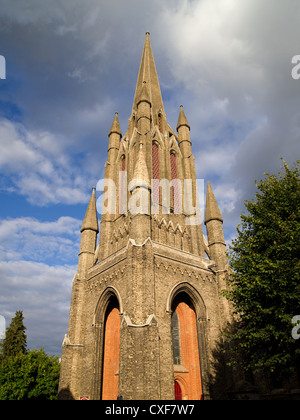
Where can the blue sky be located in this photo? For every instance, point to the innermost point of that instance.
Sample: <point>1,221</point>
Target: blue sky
<point>71,64</point>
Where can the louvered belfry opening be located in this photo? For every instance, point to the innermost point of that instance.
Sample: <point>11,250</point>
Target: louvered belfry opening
<point>123,187</point>
<point>175,187</point>
<point>156,174</point>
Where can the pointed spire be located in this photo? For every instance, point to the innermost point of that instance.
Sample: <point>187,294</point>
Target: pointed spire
<point>182,120</point>
<point>140,174</point>
<point>212,211</point>
<point>143,95</point>
<point>115,128</point>
<point>148,74</point>
<point>90,221</point>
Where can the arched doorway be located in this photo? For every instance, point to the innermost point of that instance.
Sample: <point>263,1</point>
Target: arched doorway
<point>111,349</point>
<point>186,355</point>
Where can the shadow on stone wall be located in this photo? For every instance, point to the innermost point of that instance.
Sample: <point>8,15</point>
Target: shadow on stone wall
<point>65,394</point>
<point>231,382</point>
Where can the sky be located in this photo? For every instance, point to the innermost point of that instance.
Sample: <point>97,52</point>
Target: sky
<point>71,64</point>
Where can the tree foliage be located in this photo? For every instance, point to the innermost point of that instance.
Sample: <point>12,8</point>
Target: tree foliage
<point>26,374</point>
<point>34,375</point>
<point>15,340</point>
<point>265,284</point>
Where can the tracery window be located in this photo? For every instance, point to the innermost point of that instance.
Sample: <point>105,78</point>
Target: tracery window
<point>186,356</point>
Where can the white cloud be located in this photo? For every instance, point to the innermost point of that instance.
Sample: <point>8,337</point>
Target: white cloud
<point>37,263</point>
<point>43,292</point>
<point>212,158</point>
<point>37,167</point>
<point>234,59</point>
<point>30,239</point>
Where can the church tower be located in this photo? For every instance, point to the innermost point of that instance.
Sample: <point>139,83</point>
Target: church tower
<point>146,312</point>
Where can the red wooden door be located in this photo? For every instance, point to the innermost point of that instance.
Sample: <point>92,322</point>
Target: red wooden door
<point>178,392</point>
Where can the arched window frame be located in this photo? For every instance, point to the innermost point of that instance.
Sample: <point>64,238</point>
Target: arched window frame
<point>111,351</point>
<point>202,328</point>
<point>99,331</point>
<point>156,175</point>
<point>122,186</point>
<point>160,121</point>
<point>176,193</point>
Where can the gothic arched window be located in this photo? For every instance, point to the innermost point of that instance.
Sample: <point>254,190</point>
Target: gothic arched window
<point>155,171</point>
<point>160,122</point>
<point>185,346</point>
<point>123,187</point>
<point>175,183</point>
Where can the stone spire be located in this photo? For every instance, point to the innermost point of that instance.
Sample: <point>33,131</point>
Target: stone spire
<point>90,221</point>
<point>184,140</point>
<point>212,211</point>
<point>143,94</point>
<point>139,203</point>
<point>182,120</point>
<point>148,74</point>
<point>89,231</point>
<point>114,136</point>
<point>215,233</point>
<point>140,174</point>
<point>115,128</point>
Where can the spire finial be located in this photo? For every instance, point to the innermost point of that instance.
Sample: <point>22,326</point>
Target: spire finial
<point>115,128</point>
<point>182,120</point>
<point>148,74</point>
<point>140,175</point>
<point>90,221</point>
<point>212,211</point>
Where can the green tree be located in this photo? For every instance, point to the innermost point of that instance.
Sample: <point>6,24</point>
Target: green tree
<point>31,376</point>
<point>15,340</point>
<point>265,286</point>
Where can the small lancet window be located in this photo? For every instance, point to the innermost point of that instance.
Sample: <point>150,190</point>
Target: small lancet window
<point>123,188</point>
<point>160,122</point>
<point>123,163</point>
<point>155,170</point>
<point>174,178</point>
